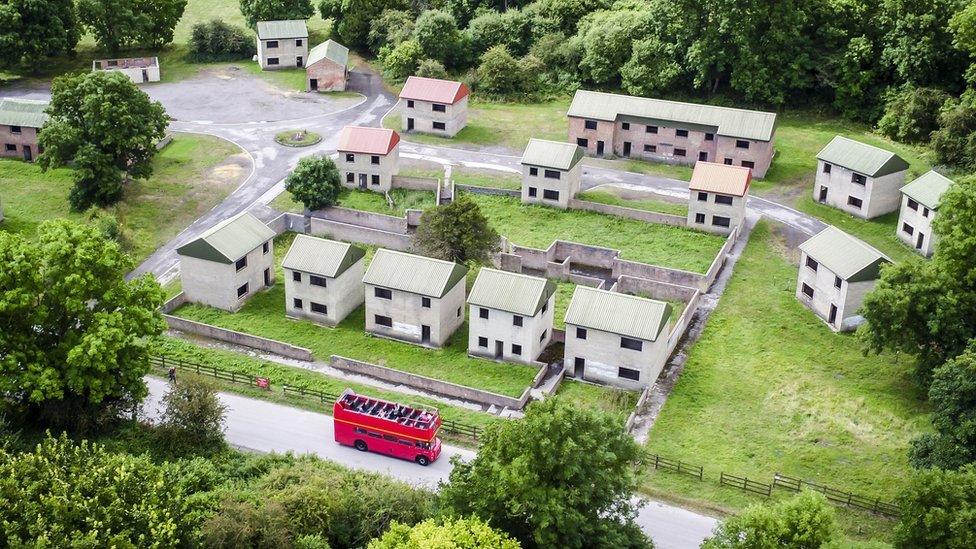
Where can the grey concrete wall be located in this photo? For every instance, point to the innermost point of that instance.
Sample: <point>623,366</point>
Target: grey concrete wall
<point>847,298</point>
<point>408,316</point>
<point>215,284</point>
<point>364,235</point>
<point>709,208</point>
<point>920,221</point>
<point>362,164</point>
<point>584,254</point>
<point>238,338</point>
<point>654,289</point>
<point>604,356</point>
<point>630,213</point>
<point>491,191</point>
<point>454,117</point>
<point>568,185</point>
<point>681,324</point>
<point>413,217</point>
<point>361,218</point>
<point>415,183</point>
<point>287,53</point>
<point>878,195</point>
<point>499,329</point>
<point>622,267</point>
<point>287,222</point>
<point>340,295</point>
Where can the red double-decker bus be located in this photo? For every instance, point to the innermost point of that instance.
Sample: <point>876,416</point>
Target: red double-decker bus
<point>371,424</point>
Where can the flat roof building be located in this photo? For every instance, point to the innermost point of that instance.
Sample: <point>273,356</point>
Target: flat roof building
<point>511,316</point>
<point>435,106</point>
<point>323,279</point>
<point>860,179</point>
<point>139,69</point>
<point>551,172</point>
<point>368,158</point>
<point>919,202</point>
<point>717,197</point>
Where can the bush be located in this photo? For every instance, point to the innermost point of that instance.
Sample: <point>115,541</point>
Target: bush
<point>193,415</point>
<point>217,41</point>
<point>438,36</point>
<point>805,521</point>
<point>511,29</point>
<point>402,60</point>
<point>456,232</point>
<point>315,182</point>
<point>430,68</point>
<point>938,510</point>
<point>502,74</point>
<point>390,29</point>
<point>460,533</point>
<point>912,114</point>
<point>955,140</point>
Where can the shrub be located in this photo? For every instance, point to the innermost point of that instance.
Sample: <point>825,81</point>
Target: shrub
<point>938,509</point>
<point>438,36</point>
<point>429,68</point>
<point>192,414</point>
<point>462,533</point>
<point>805,521</point>
<point>315,182</point>
<point>500,73</point>
<point>456,232</point>
<point>402,60</point>
<point>390,29</point>
<point>955,140</point>
<point>912,114</point>
<point>511,29</point>
<point>215,40</point>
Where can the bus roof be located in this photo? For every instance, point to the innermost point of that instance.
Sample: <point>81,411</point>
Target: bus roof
<point>408,420</point>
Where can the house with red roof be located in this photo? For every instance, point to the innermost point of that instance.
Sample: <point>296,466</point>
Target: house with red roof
<point>718,194</point>
<point>431,105</point>
<point>368,157</point>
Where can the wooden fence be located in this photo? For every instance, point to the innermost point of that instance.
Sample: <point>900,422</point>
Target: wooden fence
<point>696,471</point>
<point>744,483</point>
<point>838,496</point>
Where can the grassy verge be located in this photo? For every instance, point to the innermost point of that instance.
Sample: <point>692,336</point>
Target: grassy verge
<point>878,232</point>
<point>647,204</point>
<point>615,402</point>
<point>367,201</point>
<point>539,226</point>
<point>564,294</point>
<point>495,179</point>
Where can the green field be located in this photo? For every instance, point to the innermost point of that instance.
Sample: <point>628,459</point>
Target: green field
<point>479,178</point>
<point>648,204</point>
<point>188,179</point>
<point>538,226</point>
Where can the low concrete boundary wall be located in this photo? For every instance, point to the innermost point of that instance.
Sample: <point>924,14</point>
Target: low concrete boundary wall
<point>622,267</point>
<point>491,191</point>
<point>712,273</point>
<point>287,221</point>
<point>369,220</point>
<point>414,183</point>
<point>238,338</point>
<point>682,323</point>
<point>630,213</point>
<point>362,235</point>
<point>654,288</point>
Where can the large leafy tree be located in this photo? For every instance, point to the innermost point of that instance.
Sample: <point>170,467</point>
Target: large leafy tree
<point>31,30</point>
<point>938,510</point>
<point>462,533</point>
<point>352,18</point>
<point>953,396</point>
<point>73,331</point>
<point>917,41</point>
<point>438,36</point>
<point>106,128</point>
<point>456,232</point>
<point>161,17</point>
<point>315,182</point>
<point>118,24</point>
<point>560,477</point>
<point>805,521</point>
<point>275,10</point>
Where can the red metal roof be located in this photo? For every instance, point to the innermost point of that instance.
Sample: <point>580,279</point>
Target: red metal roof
<point>364,140</point>
<point>720,178</point>
<point>434,90</point>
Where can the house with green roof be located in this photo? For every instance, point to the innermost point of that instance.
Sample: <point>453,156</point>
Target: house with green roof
<point>326,67</point>
<point>20,122</point>
<point>919,203</point>
<point>282,44</point>
<point>551,172</point>
<point>228,263</point>
<point>860,179</point>
<point>323,279</point>
<point>510,316</point>
<point>836,272</point>
<point>414,298</point>
<point>615,338</point>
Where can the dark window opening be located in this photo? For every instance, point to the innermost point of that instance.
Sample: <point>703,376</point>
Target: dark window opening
<point>296,276</point>
<point>550,194</point>
<point>723,199</point>
<point>241,263</point>
<point>628,373</point>
<point>651,129</point>
<point>533,191</point>
<point>700,218</point>
<point>807,291</point>
<point>437,107</point>
<point>632,344</point>
<point>384,321</point>
<point>580,333</point>
<point>383,293</point>
<point>318,308</point>
<point>425,302</point>
<point>721,221</point>
<point>590,124</point>
<point>439,126</point>
<point>483,313</point>
<point>317,281</point>
<point>680,152</point>
<point>681,133</point>
<point>812,264</point>
<point>856,202</point>
<point>516,320</point>
<point>533,171</point>
<point>297,303</point>
<point>741,144</point>
<point>859,179</point>
<point>516,349</point>
<point>242,291</point>
<point>551,174</point>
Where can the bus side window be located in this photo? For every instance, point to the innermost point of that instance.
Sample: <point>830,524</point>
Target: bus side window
<point>389,437</point>
<point>374,435</point>
<point>406,443</point>
<point>359,430</point>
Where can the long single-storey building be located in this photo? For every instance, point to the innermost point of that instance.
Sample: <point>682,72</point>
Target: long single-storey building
<point>20,122</point>
<point>551,172</point>
<point>282,44</point>
<point>668,131</point>
<point>920,200</point>
<point>228,263</point>
<point>718,194</point>
<point>323,279</point>
<point>139,69</point>
<point>615,338</point>
<point>414,298</point>
<point>326,68</point>
<point>836,272</point>
<point>368,157</point>
<point>435,106</point>
<point>511,316</point>
<point>860,179</point>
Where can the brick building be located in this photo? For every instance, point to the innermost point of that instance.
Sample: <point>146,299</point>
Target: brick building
<point>326,70</point>
<point>20,121</point>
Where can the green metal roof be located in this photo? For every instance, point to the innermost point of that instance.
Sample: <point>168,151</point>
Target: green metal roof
<point>861,157</point>
<point>292,28</point>
<point>413,273</point>
<point>331,50</point>
<point>844,255</point>
<point>513,292</point>
<point>552,154</point>
<point>322,257</point>
<point>618,313</point>
<point>28,113</point>
<point>741,123</point>
<point>229,240</point>
<point>927,190</point>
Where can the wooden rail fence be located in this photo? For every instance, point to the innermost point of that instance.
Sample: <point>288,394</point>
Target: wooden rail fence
<point>838,496</point>
<point>696,471</point>
<point>746,484</point>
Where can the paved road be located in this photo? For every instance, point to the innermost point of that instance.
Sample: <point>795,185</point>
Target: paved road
<point>267,427</point>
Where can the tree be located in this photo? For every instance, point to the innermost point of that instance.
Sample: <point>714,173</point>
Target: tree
<point>953,396</point>
<point>315,182</point>
<point>218,41</point>
<point>912,114</point>
<point>512,28</point>
<point>275,10</point>
<point>31,30</point>
<point>161,19</point>
<point>116,24</point>
<point>503,75</point>
<point>352,18</point>
<point>606,39</point>
<point>462,533</point>
<point>106,128</point>
<point>917,42</point>
<point>805,521</point>
<point>955,140</point>
<point>428,68</point>
<point>560,477</point>
<point>74,331</point>
<point>438,36</point>
<point>651,69</point>
<point>456,232</point>
<point>193,415</point>
<point>401,60</point>
<point>391,28</point>
<point>938,510</point>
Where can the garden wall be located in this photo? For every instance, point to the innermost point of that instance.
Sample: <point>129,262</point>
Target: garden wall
<point>363,235</point>
<point>369,220</point>
<point>287,222</point>
<point>630,213</point>
<point>415,183</point>
<point>682,323</point>
<point>654,288</point>
<point>489,190</point>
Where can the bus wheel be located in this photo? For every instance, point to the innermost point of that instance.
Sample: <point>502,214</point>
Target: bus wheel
<point>361,446</point>
<point>423,460</point>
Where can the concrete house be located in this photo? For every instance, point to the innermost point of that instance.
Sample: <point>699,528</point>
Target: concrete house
<point>718,194</point>
<point>139,69</point>
<point>326,68</point>
<point>919,202</point>
<point>431,105</point>
<point>551,172</point>
<point>607,124</point>
<point>282,44</point>
<point>836,272</point>
<point>228,263</point>
<point>511,316</point>
<point>414,298</point>
<point>858,178</point>
<point>368,157</point>
<point>20,121</point>
<point>615,338</point>
<point>323,279</point>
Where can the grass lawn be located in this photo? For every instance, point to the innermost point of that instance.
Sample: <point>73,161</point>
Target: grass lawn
<point>189,177</point>
<point>538,226</point>
<point>607,196</point>
<point>769,388</point>
<point>564,294</point>
<point>264,316</point>
<point>878,232</point>
<point>368,201</point>
<point>616,402</point>
<point>480,178</point>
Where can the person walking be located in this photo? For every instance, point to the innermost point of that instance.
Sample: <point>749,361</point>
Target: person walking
<point>172,375</point>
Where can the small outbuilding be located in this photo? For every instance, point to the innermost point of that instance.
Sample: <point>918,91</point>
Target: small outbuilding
<point>20,122</point>
<point>718,194</point>
<point>414,298</point>
<point>368,157</point>
<point>139,69</point>
<point>616,339</point>
<point>860,179</point>
<point>228,263</point>
<point>551,172</point>
<point>326,70</point>
<point>435,106</point>
<point>511,316</point>
<point>323,279</point>
<point>282,44</point>
<point>836,272</point>
<point>919,202</point>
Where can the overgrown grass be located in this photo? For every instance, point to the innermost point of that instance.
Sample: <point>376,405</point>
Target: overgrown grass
<point>564,294</point>
<point>478,178</point>
<point>607,196</point>
<point>538,226</point>
<point>403,200</point>
<point>615,402</point>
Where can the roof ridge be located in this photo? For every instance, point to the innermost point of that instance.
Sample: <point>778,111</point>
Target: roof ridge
<point>671,101</point>
<point>511,273</point>
<point>621,294</point>
<point>844,137</point>
<point>398,252</point>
